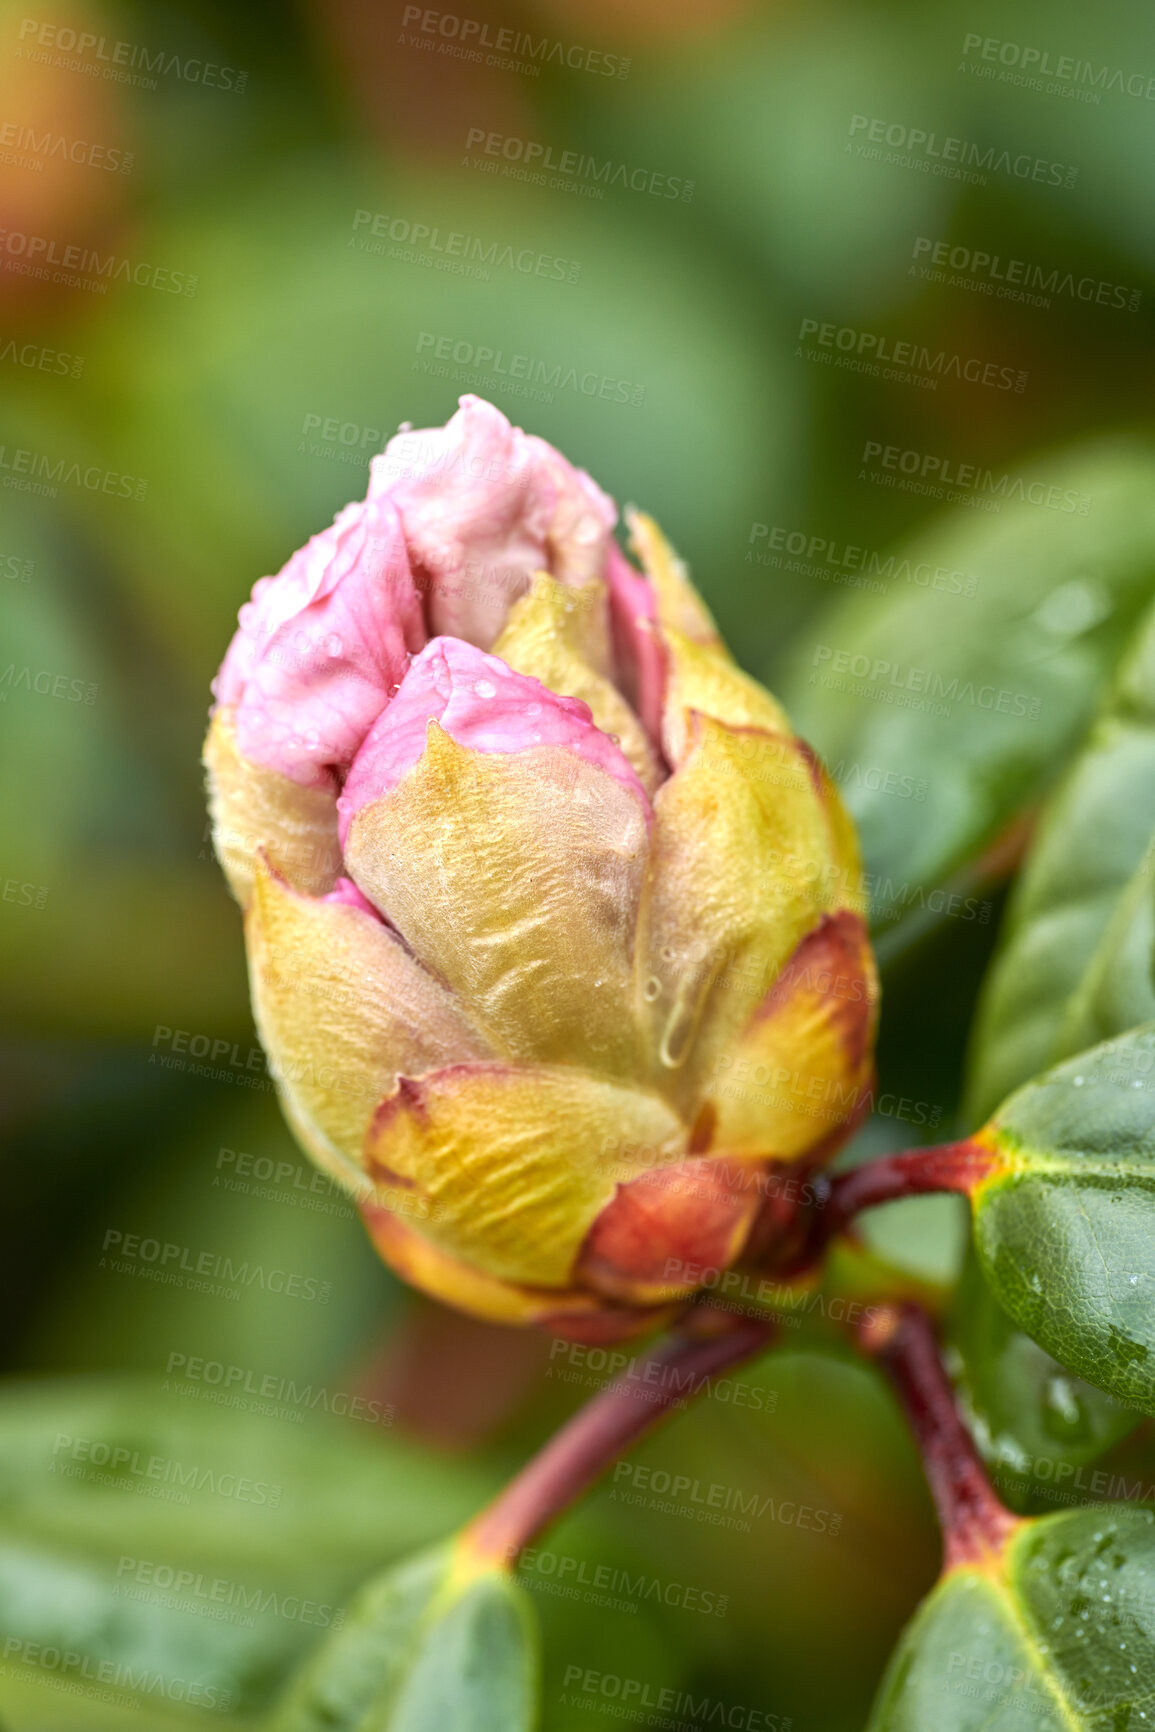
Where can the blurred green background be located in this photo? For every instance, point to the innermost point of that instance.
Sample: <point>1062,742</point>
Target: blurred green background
<point>243,358</point>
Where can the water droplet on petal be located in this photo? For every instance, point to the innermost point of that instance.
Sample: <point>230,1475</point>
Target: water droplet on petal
<point>485,688</point>
<point>652,989</point>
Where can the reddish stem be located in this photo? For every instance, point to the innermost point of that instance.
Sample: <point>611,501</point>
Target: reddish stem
<point>602,1430</point>
<point>975,1524</point>
<point>946,1167</point>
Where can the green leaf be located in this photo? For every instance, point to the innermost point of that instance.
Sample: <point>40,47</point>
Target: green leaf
<point>1074,965</point>
<point>1034,1420</point>
<point>1059,1636</point>
<point>159,1537</point>
<point>424,1650</point>
<point>1065,1222</point>
<point>1057,594</point>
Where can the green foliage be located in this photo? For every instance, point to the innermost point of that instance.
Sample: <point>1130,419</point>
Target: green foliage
<point>422,1652</point>
<point>186,1552</point>
<point>978,698</point>
<point>1066,1229</point>
<point>1076,952</point>
<point>1061,1638</point>
<point>1033,1418</point>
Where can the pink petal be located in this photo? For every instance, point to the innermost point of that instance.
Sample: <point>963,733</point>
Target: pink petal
<point>481,703</point>
<point>346,895</point>
<point>323,645</point>
<point>484,507</point>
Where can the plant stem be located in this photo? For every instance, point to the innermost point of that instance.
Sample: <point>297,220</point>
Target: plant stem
<point>945,1167</point>
<point>602,1430</point>
<point>975,1524</point>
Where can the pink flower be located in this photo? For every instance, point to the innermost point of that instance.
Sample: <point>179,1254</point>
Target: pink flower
<point>484,507</point>
<point>539,889</point>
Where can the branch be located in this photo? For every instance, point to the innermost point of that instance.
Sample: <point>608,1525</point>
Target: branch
<point>601,1431</point>
<point>945,1167</point>
<point>975,1524</point>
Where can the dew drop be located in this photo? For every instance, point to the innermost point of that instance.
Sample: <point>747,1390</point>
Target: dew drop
<point>652,989</point>
<point>485,688</point>
<point>1079,1081</point>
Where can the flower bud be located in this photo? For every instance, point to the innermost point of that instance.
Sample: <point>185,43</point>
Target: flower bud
<point>555,930</point>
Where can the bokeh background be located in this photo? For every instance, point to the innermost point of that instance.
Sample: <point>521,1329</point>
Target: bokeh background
<point>197,408</point>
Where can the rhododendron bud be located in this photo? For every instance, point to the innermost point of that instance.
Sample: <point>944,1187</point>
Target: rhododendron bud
<point>554,928</point>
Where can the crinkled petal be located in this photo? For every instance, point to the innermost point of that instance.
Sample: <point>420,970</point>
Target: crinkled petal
<point>322,647</point>
<point>745,859</point>
<point>801,1070</point>
<point>484,507</point>
<point>516,877</point>
<point>507,1160</point>
<point>482,703</point>
<point>253,808</point>
<point>558,634</point>
<point>343,1009</point>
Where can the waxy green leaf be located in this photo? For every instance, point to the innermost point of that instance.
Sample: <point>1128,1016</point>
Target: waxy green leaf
<point>1036,1423</point>
<point>1057,1636</point>
<point>424,1650</point>
<point>1075,959</point>
<point>1065,1222</point>
<point>972,697</point>
<point>187,1556</point>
